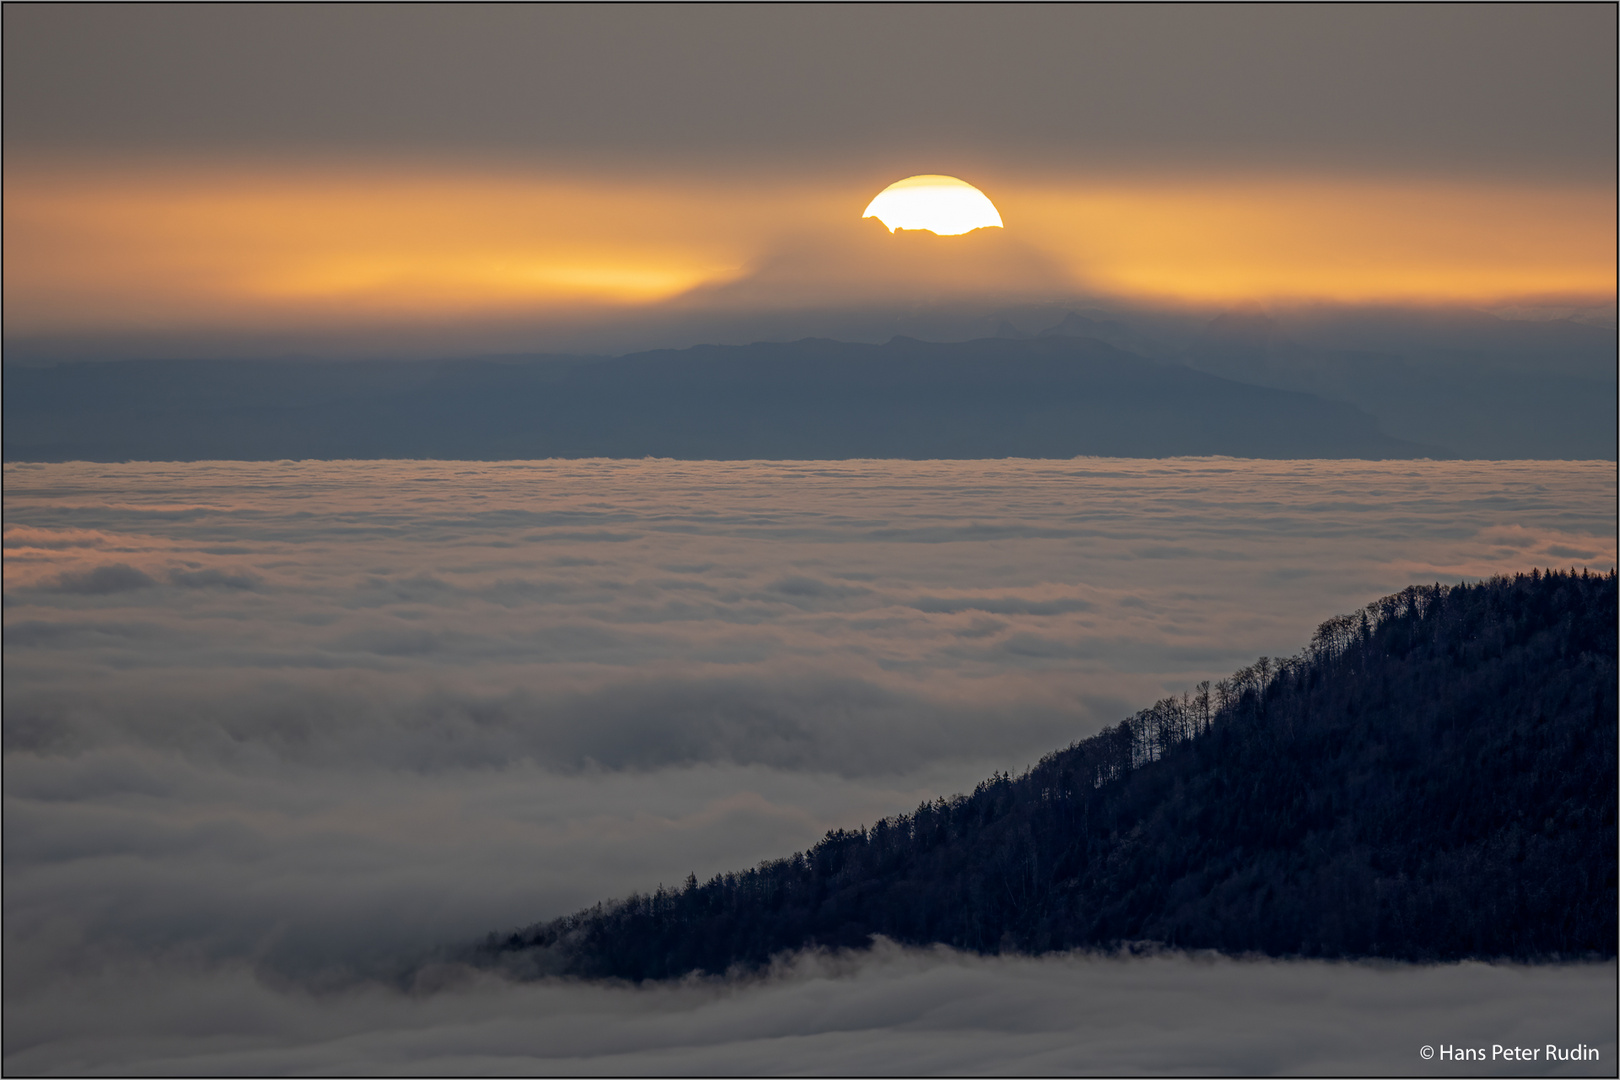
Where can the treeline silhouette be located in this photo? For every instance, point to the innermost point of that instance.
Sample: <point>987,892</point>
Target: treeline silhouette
<point>1432,778</point>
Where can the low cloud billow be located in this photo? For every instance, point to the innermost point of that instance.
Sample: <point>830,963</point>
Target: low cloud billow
<point>889,1011</point>
<point>277,732</point>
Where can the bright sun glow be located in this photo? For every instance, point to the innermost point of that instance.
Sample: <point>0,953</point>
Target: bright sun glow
<point>940,204</point>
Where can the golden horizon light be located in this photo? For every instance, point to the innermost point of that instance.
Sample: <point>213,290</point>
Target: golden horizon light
<point>171,247</point>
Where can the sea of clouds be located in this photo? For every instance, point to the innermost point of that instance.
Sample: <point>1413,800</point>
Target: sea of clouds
<point>274,732</point>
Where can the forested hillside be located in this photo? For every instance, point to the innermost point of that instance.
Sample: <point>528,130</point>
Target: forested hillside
<point>1433,777</point>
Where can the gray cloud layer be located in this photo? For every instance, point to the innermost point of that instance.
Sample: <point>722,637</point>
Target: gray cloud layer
<point>1506,89</point>
<point>300,722</point>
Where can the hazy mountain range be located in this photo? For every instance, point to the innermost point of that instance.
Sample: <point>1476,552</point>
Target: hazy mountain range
<point>1121,384</point>
<point>1480,387</point>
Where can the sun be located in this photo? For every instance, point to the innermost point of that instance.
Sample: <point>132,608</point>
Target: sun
<point>940,204</point>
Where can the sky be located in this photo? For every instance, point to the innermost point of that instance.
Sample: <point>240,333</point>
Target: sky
<point>357,179</point>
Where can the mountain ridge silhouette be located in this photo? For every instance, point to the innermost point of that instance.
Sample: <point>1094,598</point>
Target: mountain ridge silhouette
<point>1050,397</point>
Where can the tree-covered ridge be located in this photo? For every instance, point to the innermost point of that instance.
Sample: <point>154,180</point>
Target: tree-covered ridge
<point>1433,777</point>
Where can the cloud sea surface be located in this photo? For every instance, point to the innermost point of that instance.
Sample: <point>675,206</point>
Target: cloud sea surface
<point>274,731</point>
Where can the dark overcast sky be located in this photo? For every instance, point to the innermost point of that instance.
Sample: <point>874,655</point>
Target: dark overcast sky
<point>1447,88</point>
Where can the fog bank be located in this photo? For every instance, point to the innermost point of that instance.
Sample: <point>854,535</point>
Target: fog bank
<point>892,1011</point>
<point>278,727</point>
